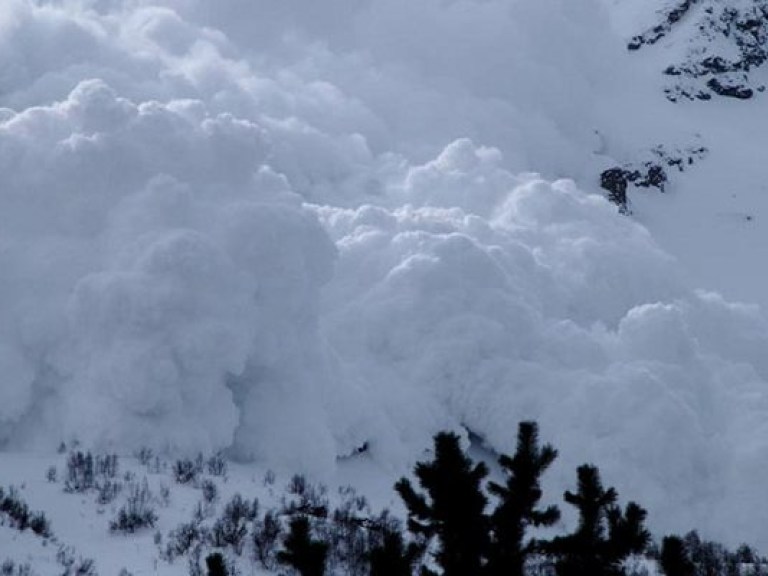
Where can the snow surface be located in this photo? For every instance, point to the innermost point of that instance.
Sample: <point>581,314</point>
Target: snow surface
<point>290,229</point>
<point>80,524</point>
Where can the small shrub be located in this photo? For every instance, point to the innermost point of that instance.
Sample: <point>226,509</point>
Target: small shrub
<point>83,567</point>
<point>183,539</point>
<point>266,535</point>
<point>80,472</point>
<point>108,491</point>
<point>19,515</point>
<point>186,471</point>
<point>232,528</point>
<point>137,513</point>
<point>216,565</point>
<point>106,466</point>
<point>310,499</point>
<point>193,562</point>
<point>79,566</point>
<point>145,456</point>
<point>51,474</point>
<point>210,491</point>
<point>297,485</point>
<point>39,524</point>
<point>11,568</point>
<point>165,495</point>
<point>217,465</point>
<point>347,534</point>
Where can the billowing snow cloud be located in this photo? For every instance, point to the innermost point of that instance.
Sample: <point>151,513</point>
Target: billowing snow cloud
<point>148,255</point>
<point>289,232</point>
<point>548,306</point>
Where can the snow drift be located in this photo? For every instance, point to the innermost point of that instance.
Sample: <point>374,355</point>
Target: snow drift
<point>290,232</point>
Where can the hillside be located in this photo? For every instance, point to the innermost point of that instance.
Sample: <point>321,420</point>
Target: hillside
<point>299,232</point>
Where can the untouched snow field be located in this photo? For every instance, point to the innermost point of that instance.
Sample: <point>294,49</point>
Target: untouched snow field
<point>291,230</point>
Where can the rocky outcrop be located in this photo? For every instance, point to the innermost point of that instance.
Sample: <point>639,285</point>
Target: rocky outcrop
<point>729,43</point>
<point>669,18</point>
<point>652,173</point>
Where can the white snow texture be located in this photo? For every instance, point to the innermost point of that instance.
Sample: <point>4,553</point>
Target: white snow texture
<point>290,228</point>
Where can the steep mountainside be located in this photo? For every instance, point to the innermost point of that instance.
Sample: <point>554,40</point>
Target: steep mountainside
<point>309,232</point>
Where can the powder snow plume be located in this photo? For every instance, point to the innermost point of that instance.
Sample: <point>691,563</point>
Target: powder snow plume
<point>289,229</point>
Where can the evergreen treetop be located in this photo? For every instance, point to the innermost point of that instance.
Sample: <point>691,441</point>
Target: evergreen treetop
<point>306,555</point>
<point>518,503</point>
<point>453,508</point>
<point>674,559</point>
<point>605,536</point>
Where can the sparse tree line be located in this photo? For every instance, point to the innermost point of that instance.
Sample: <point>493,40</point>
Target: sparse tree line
<point>451,521</point>
<point>456,534</point>
<point>459,523</point>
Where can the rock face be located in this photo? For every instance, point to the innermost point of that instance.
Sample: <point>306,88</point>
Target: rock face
<point>651,173</point>
<point>669,18</point>
<point>725,44</point>
<point>720,50</point>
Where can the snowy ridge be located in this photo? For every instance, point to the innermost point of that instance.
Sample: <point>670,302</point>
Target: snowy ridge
<point>725,45</point>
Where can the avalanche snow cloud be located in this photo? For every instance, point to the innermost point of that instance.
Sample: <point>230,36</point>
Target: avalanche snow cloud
<point>290,229</point>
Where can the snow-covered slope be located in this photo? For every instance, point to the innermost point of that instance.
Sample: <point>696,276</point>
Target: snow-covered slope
<point>81,541</point>
<point>293,230</point>
<point>711,220</point>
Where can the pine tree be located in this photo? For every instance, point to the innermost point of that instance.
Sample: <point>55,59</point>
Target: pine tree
<point>392,557</point>
<point>627,532</point>
<point>674,558</point>
<point>452,510</point>
<point>583,552</point>
<point>301,552</point>
<point>215,564</point>
<point>605,536</point>
<point>518,506</point>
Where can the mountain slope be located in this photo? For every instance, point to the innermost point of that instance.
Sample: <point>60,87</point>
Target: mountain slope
<point>293,232</point>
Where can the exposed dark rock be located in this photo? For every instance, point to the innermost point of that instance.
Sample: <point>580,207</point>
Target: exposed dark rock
<point>669,19</point>
<point>736,91</point>
<point>654,177</point>
<point>615,181</point>
<point>730,44</point>
<point>649,174</point>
